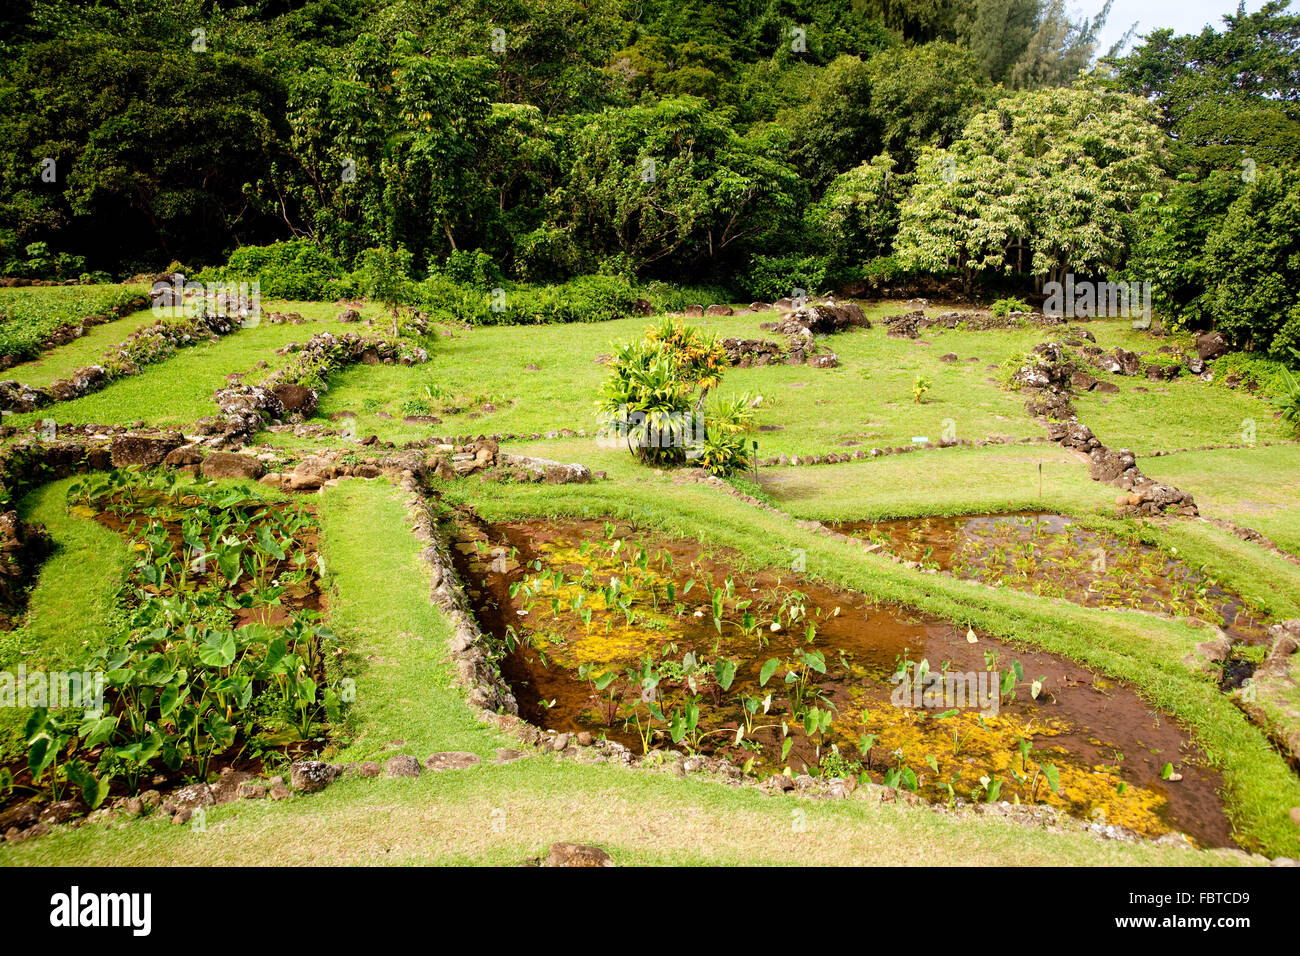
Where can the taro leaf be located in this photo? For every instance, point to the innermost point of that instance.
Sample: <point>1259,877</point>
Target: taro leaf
<point>37,722</point>
<point>171,697</point>
<point>97,730</point>
<point>157,636</point>
<point>769,668</point>
<point>157,670</point>
<point>604,680</point>
<point>40,754</point>
<point>149,747</point>
<point>267,542</point>
<point>816,660</point>
<point>217,649</point>
<point>228,563</point>
<point>909,778</point>
<point>306,689</point>
<point>678,727</point>
<point>726,673</point>
<point>692,716</point>
<point>1166,771</point>
<point>220,730</point>
<point>93,791</point>
<point>1053,776</point>
<point>172,756</point>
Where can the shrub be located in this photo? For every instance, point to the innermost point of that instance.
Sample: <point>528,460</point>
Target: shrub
<point>876,273</point>
<point>584,299</point>
<point>1254,370</point>
<point>296,269</point>
<point>39,263</point>
<point>666,297</point>
<point>1290,399</point>
<point>548,254</point>
<point>1004,307</point>
<point>1254,296</point>
<point>774,277</point>
<point>476,268</point>
<point>654,401</point>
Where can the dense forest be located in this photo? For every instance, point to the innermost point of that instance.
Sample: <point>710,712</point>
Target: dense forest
<point>752,146</point>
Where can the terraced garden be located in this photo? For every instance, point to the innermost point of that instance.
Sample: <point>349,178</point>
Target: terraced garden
<point>408,599</point>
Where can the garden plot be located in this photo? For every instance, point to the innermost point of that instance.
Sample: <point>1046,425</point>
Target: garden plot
<point>1055,556</point>
<point>218,656</point>
<point>648,642</point>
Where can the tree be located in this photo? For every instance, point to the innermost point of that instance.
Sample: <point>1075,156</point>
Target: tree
<point>922,96</point>
<point>1254,259</point>
<point>836,130</point>
<point>857,217</point>
<point>157,149</point>
<point>1168,248</point>
<point>1224,97</point>
<point>1058,173</point>
<point>1060,48</point>
<point>672,186</point>
<point>389,141</point>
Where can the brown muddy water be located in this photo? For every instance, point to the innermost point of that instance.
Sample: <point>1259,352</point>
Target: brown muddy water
<point>1052,555</point>
<point>633,636</point>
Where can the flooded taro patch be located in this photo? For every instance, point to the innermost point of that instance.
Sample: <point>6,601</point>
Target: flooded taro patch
<point>1055,556</point>
<point>658,644</point>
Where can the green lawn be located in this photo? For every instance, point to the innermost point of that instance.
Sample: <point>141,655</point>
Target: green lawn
<point>71,601</point>
<point>1255,487</point>
<point>61,362</point>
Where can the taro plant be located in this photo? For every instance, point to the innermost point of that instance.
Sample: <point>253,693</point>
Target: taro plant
<point>50,742</point>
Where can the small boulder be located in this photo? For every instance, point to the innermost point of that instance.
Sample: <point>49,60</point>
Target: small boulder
<point>145,450</point>
<point>1211,345</point>
<point>296,399</point>
<point>223,464</point>
<point>402,765</point>
<point>312,776</point>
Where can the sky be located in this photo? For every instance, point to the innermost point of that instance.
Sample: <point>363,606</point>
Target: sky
<point>1184,16</point>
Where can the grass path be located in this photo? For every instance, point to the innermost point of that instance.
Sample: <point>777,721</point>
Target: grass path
<point>1255,487</point>
<point>62,361</point>
<point>380,609</point>
<point>71,601</point>
<point>178,391</point>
